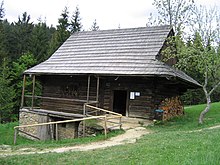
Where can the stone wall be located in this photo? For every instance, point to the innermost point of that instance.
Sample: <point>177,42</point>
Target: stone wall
<point>68,130</point>
<point>29,117</point>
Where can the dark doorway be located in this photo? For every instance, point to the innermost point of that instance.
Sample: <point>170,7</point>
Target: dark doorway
<point>120,101</point>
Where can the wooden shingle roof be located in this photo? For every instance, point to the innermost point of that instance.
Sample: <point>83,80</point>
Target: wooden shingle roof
<point>128,52</point>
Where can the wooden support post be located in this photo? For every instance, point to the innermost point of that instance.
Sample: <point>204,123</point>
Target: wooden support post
<point>23,90</point>
<point>84,123</point>
<point>120,122</point>
<point>57,132</point>
<point>105,126</point>
<point>97,92</point>
<point>84,107</point>
<point>15,136</point>
<point>33,90</point>
<point>88,88</point>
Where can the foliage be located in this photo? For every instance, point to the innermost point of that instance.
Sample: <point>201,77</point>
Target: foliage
<point>175,142</point>
<point>94,26</point>
<point>18,67</point>
<point>198,56</point>
<point>7,94</point>
<point>61,34</point>
<point>22,32</point>
<point>172,12</point>
<point>75,24</point>
<point>25,44</point>
<point>3,50</point>
<point>2,11</point>
<point>40,38</point>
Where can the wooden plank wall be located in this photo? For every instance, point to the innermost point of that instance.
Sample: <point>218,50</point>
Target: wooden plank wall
<point>72,87</point>
<point>152,92</point>
<point>141,106</point>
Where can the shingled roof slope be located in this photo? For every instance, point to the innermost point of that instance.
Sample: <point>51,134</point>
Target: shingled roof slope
<point>130,51</point>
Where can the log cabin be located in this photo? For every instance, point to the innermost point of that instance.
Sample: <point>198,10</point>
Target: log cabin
<point>119,70</point>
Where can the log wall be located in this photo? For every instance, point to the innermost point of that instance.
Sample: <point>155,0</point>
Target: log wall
<point>152,92</point>
<point>140,106</point>
<point>71,87</point>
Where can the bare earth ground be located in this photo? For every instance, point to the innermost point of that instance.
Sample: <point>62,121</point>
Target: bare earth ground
<point>130,136</point>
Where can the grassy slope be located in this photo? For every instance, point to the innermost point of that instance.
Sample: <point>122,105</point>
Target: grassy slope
<point>170,144</point>
<point>7,135</point>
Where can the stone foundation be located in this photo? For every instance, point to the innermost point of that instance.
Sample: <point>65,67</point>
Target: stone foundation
<point>47,132</point>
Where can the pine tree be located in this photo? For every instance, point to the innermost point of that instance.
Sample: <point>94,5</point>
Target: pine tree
<point>61,34</point>
<point>75,24</point>
<point>26,61</point>
<point>2,11</point>
<point>3,49</point>
<point>40,41</point>
<point>94,26</point>
<point>7,94</point>
<point>23,30</point>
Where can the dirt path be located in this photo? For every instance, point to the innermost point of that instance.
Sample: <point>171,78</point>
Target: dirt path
<point>130,136</point>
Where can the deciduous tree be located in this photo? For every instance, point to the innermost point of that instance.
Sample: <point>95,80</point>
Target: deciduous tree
<point>175,13</point>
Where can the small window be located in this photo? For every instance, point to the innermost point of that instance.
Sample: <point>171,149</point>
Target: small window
<point>134,94</point>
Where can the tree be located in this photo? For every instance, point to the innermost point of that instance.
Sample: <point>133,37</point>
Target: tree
<point>201,53</point>
<point>75,24</point>
<point>94,26</point>
<point>40,38</point>
<point>2,11</point>
<point>7,94</point>
<point>175,13</point>
<point>201,56</point>
<point>206,25</point>
<point>3,49</point>
<point>62,32</point>
<point>23,30</point>
<point>26,61</point>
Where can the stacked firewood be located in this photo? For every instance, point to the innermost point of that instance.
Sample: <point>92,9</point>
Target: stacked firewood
<point>171,107</point>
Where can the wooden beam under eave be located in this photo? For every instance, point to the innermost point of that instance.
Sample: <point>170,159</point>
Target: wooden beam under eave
<point>23,91</point>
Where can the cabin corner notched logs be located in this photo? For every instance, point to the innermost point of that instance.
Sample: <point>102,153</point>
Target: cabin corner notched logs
<point>171,107</point>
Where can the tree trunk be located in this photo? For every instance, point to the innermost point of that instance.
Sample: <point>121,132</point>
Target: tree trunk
<point>208,104</point>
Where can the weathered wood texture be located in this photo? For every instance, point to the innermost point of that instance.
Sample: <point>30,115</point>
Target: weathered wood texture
<point>73,87</point>
<point>172,107</point>
<point>140,106</point>
<point>152,92</point>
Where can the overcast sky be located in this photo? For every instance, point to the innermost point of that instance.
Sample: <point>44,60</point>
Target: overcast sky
<point>110,14</point>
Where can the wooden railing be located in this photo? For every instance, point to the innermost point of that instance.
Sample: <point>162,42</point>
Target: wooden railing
<point>86,115</point>
<point>113,115</point>
<point>103,117</point>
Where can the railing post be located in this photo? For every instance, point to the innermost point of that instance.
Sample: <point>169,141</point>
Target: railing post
<point>56,132</point>
<point>15,135</point>
<point>84,123</point>
<point>105,126</point>
<point>120,122</point>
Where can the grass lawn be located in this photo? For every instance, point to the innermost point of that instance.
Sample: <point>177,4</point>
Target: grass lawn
<point>171,143</point>
<point>7,135</point>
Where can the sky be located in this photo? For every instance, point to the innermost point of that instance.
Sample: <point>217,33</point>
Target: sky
<point>109,14</point>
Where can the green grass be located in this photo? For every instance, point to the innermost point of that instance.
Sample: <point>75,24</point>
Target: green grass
<point>7,135</point>
<point>190,120</point>
<point>170,144</point>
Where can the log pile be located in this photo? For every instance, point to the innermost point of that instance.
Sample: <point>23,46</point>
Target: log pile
<point>171,107</point>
